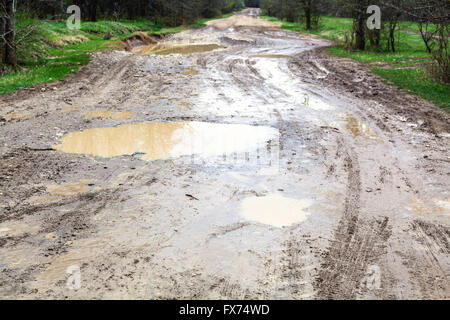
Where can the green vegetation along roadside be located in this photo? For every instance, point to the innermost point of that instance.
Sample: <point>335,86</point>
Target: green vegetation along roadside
<point>49,51</point>
<point>405,68</point>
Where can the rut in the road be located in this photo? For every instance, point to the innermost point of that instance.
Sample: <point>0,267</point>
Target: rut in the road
<point>356,245</point>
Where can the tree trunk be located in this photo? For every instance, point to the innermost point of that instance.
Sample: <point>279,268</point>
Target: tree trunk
<point>308,17</point>
<point>360,34</point>
<point>8,43</point>
<point>93,10</point>
<point>360,26</point>
<point>2,40</point>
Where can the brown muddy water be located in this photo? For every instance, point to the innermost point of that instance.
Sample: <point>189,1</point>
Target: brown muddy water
<point>108,114</point>
<point>359,129</point>
<point>191,72</point>
<point>188,49</point>
<point>70,189</point>
<point>164,140</point>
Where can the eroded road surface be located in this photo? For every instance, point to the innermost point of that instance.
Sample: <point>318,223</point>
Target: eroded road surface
<point>235,161</point>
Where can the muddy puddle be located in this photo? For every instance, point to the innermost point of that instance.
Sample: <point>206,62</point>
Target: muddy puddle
<point>17,116</point>
<point>359,129</point>
<point>187,49</point>
<point>108,114</point>
<point>275,210</point>
<point>70,189</point>
<point>271,56</point>
<point>164,140</point>
<point>191,72</point>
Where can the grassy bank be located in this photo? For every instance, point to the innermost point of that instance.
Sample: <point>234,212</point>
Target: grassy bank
<point>406,67</point>
<point>49,51</point>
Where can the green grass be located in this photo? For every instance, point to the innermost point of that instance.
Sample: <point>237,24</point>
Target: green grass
<point>329,27</point>
<point>410,51</point>
<point>52,51</point>
<point>416,82</point>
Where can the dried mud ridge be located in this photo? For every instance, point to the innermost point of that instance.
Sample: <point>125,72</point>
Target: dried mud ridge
<point>370,163</point>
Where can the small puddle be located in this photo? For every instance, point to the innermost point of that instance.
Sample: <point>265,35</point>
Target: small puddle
<point>81,251</point>
<point>108,114</point>
<point>70,189</point>
<point>188,49</point>
<point>437,206</point>
<point>191,72</point>
<point>16,229</point>
<point>71,109</point>
<point>164,140</point>
<point>275,210</point>
<point>359,129</point>
<point>271,56</point>
<point>17,116</point>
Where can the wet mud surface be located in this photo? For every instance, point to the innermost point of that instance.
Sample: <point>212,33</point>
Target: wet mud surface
<point>342,192</point>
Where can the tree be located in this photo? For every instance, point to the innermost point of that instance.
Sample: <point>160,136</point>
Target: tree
<point>8,53</point>
<point>433,17</point>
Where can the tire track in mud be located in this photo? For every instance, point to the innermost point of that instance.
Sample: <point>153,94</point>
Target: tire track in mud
<point>295,279</point>
<point>433,250</point>
<point>357,242</point>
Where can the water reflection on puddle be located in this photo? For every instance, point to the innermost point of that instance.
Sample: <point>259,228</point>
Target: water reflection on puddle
<point>107,114</point>
<point>275,210</point>
<point>359,129</point>
<point>163,140</point>
<point>187,49</point>
<point>271,56</point>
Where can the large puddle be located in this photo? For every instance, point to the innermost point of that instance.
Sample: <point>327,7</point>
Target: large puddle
<point>275,210</point>
<point>164,140</point>
<point>188,49</point>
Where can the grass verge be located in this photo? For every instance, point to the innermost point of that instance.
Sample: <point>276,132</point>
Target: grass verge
<point>49,51</point>
<point>405,68</point>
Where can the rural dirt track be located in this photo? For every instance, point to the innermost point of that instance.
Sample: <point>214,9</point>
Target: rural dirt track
<point>369,162</point>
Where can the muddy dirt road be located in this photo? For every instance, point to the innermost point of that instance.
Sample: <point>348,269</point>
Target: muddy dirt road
<point>247,164</point>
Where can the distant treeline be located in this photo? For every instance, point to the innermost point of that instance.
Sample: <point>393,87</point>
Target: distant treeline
<point>253,3</point>
<point>432,16</point>
<point>167,12</point>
